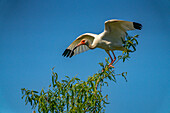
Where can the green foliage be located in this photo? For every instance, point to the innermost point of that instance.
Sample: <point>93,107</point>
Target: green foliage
<point>131,42</point>
<point>72,94</point>
<point>75,95</point>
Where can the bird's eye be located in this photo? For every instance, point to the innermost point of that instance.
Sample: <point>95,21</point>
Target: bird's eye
<point>83,40</point>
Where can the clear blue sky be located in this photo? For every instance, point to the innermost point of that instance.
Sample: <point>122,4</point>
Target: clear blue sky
<point>34,34</point>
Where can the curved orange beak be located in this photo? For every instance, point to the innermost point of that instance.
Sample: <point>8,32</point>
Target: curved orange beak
<point>79,44</point>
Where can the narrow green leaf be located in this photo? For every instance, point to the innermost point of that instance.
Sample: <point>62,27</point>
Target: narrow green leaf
<point>135,40</point>
<point>35,91</point>
<point>106,83</point>
<point>23,96</point>
<point>101,64</point>
<point>67,77</point>
<point>136,36</point>
<point>110,78</point>
<point>134,47</point>
<point>53,80</point>
<point>77,79</point>
<point>124,75</point>
<point>65,81</point>
<point>56,77</point>
<point>130,42</point>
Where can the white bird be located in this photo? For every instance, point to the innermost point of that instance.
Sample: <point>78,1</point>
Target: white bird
<point>110,39</point>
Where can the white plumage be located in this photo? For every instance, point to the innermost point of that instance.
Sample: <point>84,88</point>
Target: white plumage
<point>110,39</point>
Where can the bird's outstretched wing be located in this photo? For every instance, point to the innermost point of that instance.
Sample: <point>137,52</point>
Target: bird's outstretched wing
<point>69,52</point>
<point>119,27</point>
<point>110,25</point>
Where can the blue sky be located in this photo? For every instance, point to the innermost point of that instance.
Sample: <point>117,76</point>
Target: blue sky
<point>34,34</point>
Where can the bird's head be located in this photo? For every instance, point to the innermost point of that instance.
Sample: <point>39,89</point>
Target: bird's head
<point>82,42</point>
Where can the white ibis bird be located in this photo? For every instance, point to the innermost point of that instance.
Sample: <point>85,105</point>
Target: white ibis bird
<point>110,39</point>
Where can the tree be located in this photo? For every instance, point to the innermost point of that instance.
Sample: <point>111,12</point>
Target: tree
<point>75,95</point>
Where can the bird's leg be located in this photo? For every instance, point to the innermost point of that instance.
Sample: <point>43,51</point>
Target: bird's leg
<point>110,65</point>
<point>114,57</point>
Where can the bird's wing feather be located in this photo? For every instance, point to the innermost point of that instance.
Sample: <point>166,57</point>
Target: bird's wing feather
<point>119,27</point>
<point>110,25</point>
<point>69,51</point>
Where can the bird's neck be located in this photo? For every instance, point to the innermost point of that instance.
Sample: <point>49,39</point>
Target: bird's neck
<point>91,45</point>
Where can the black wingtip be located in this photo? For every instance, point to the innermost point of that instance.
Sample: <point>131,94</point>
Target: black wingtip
<point>137,25</point>
<point>65,52</point>
<point>68,53</point>
<point>72,53</point>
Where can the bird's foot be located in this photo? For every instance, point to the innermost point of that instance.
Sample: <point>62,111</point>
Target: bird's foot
<point>111,66</point>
